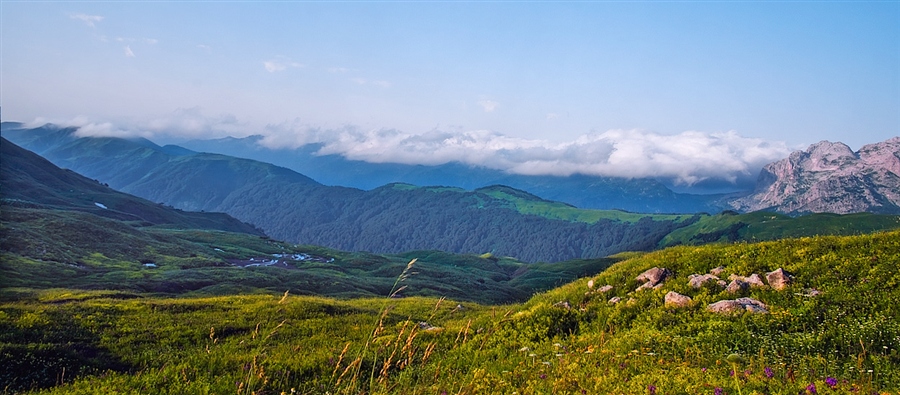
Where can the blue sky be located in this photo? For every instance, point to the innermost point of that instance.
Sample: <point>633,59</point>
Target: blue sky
<point>543,83</point>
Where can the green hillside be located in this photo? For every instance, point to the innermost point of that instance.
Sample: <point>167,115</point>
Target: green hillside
<point>762,225</point>
<point>43,248</point>
<point>835,329</point>
<point>29,180</point>
<point>391,219</point>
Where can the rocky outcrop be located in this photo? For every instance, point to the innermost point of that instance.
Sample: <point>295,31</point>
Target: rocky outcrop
<point>830,177</point>
<point>738,306</point>
<point>653,278</point>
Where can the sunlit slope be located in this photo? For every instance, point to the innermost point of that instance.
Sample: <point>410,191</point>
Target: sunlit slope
<point>763,225</point>
<point>834,329</point>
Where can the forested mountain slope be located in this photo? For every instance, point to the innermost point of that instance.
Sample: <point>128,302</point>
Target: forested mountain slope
<point>29,180</point>
<point>591,192</point>
<point>393,218</point>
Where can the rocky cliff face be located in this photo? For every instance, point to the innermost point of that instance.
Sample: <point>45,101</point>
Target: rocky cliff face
<point>830,177</point>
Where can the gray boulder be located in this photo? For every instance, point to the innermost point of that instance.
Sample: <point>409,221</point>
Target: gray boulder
<point>779,279</point>
<point>738,306</point>
<point>697,280</point>
<point>677,300</point>
<point>654,277</point>
<point>737,286</point>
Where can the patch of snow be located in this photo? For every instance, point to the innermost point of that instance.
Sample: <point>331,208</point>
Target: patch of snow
<point>218,249</point>
<point>149,265</point>
<point>100,205</point>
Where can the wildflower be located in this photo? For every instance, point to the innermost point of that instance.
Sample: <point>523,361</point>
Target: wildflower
<point>651,389</point>
<point>768,372</point>
<point>719,391</point>
<point>543,376</point>
<point>811,388</point>
<point>831,381</point>
<point>703,370</point>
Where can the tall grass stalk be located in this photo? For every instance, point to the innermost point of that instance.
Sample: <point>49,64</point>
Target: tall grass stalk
<point>378,328</point>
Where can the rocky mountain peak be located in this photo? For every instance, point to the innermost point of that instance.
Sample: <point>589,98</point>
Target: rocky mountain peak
<point>830,177</point>
<point>825,155</point>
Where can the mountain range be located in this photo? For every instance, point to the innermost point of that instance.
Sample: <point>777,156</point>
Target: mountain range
<point>397,217</point>
<point>393,218</point>
<point>644,195</point>
<point>830,177</point>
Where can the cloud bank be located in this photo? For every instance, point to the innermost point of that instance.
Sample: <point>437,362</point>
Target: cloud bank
<point>685,159</point>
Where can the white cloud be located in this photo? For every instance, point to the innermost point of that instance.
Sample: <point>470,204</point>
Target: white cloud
<point>181,124</point>
<point>206,48</point>
<point>552,115</point>
<point>488,105</point>
<point>128,52</point>
<point>383,84</point>
<point>686,158</point>
<point>151,41</point>
<point>89,20</point>
<point>280,65</point>
<point>186,123</point>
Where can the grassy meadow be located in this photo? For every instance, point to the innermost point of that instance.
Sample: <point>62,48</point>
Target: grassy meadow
<point>834,330</point>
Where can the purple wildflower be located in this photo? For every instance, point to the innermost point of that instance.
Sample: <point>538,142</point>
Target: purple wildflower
<point>811,388</point>
<point>703,370</point>
<point>719,391</point>
<point>731,373</point>
<point>831,381</point>
<point>768,372</point>
<point>543,376</point>
<point>651,389</point>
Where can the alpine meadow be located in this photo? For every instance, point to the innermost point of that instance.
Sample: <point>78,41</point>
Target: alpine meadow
<point>449,197</point>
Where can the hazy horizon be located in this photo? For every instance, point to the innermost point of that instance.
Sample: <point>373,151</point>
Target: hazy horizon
<point>689,92</point>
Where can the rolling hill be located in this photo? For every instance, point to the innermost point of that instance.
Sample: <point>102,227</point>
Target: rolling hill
<point>590,192</point>
<point>29,180</point>
<point>833,329</point>
<point>389,219</point>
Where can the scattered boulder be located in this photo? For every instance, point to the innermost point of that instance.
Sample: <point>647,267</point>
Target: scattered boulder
<point>614,300</point>
<point>675,299</point>
<point>654,277</point>
<point>753,280</point>
<point>602,290</point>
<point>717,271</point>
<point>779,279</point>
<point>590,284</point>
<point>737,286</point>
<point>564,304</point>
<point>697,280</point>
<point>737,306</point>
